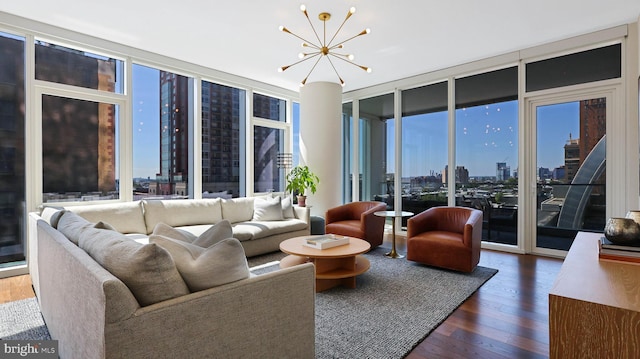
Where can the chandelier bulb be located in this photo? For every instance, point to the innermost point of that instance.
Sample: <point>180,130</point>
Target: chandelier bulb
<point>303,8</point>
<point>352,10</point>
<point>301,55</point>
<point>350,57</point>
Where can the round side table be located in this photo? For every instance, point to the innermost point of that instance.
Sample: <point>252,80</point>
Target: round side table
<point>393,215</point>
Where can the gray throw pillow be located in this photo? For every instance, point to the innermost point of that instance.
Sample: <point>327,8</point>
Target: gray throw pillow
<point>147,270</point>
<point>211,236</point>
<point>202,268</point>
<point>267,209</point>
<point>72,226</point>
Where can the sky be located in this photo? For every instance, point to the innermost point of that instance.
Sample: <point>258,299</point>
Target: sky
<point>485,135</point>
<point>146,117</point>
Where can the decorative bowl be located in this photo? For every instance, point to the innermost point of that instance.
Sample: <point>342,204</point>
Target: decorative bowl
<point>634,214</point>
<point>624,231</point>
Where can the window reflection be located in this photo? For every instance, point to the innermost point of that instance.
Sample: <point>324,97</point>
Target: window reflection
<point>78,150</point>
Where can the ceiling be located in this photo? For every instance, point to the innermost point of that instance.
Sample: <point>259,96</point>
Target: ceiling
<point>407,38</point>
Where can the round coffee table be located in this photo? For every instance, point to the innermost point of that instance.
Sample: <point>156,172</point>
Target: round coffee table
<point>334,266</point>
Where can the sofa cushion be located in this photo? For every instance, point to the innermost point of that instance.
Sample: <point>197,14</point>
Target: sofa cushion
<point>181,212</point>
<point>269,209</point>
<point>126,217</point>
<point>237,209</point>
<point>148,270</point>
<point>211,236</point>
<point>202,268</point>
<point>259,229</point>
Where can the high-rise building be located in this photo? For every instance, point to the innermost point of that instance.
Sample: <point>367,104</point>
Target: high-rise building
<point>173,177</point>
<point>571,158</point>
<point>593,124</point>
<point>222,125</point>
<point>503,172</point>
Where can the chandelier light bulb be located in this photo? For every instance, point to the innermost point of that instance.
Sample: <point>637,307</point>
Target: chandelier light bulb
<point>301,55</point>
<point>303,8</point>
<point>350,57</point>
<point>352,10</point>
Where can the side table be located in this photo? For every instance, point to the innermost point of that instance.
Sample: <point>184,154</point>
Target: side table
<point>393,215</point>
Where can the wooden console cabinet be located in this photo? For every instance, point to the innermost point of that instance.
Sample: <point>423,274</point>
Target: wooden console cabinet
<point>594,305</point>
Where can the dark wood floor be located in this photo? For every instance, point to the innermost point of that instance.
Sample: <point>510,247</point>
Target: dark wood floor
<point>506,318</point>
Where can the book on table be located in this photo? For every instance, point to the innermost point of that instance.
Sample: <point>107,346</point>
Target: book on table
<point>611,251</point>
<point>326,241</point>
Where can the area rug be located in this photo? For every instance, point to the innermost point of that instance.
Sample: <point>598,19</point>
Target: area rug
<point>21,320</point>
<point>394,306</point>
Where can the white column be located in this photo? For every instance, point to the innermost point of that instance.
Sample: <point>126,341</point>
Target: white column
<point>321,142</point>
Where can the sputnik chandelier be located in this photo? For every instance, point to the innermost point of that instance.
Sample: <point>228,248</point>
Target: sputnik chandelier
<point>324,49</point>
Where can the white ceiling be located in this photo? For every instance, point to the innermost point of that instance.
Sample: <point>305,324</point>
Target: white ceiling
<point>407,37</point>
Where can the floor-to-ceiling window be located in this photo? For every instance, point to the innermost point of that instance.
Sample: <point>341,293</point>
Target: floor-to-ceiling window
<point>269,140</point>
<point>376,149</point>
<point>12,150</point>
<point>79,127</point>
<point>347,151</point>
<point>424,147</point>
<point>163,133</point>
<point>571,128</point>
<point>223,140</point>
<point>486,170</point>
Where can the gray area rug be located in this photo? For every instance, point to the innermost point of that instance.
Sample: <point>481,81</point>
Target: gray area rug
<point>395,305</point>
<point>21,320</point>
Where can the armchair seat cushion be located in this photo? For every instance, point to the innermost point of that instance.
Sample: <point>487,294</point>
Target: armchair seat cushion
<point>346,228</point>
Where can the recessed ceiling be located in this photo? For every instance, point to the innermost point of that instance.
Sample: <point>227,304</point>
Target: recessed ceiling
<point>407,38</point>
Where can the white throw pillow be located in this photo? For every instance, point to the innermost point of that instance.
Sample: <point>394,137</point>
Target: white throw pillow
<point>148,270</point>
<point>267,209</point>
<point>237,209</point>
<point>203,268</point>
<point>287,207</point>
<point>211,236</point>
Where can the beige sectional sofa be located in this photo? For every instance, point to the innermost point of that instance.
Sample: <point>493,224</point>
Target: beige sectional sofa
<point>97,313</point>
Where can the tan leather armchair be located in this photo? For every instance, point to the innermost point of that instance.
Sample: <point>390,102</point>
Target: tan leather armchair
<point>356,219</point>
<point>446,237</point>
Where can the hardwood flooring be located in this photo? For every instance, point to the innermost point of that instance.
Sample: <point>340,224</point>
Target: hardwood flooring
<point>506,318</point>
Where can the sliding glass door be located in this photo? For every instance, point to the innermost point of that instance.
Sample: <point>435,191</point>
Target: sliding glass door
<point>570,173</point>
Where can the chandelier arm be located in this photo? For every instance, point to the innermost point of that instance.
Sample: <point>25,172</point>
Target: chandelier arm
<point>350,62</point>
<point>336,71</point>
<point>339,28</point>
<point>364,32</point>
<point>303,60</point>
<point>302,38</point>
<point>312,27</point>
<point>339,54</point>
<point>310,71</point>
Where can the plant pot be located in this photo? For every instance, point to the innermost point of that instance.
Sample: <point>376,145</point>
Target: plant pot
<point>302,201</point>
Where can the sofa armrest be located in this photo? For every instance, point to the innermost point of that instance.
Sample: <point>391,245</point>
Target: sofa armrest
<point>302,213</point>
<point>270,315</point>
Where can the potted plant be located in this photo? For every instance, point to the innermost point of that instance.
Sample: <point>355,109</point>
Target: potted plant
<point>299,180</point>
